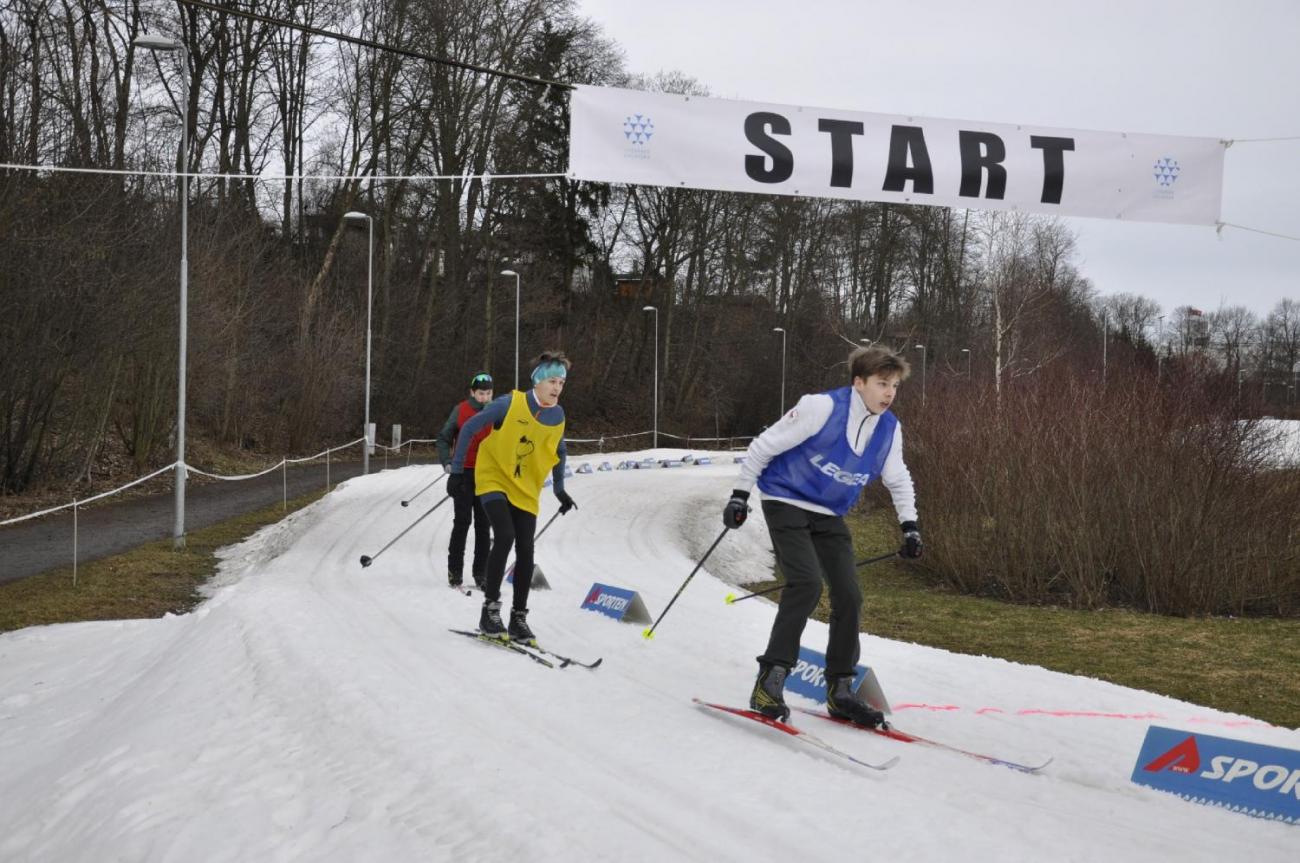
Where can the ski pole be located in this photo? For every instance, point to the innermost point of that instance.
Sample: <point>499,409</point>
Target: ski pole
<point>731,598</point>
<point>539,533</point>
<point>538,536</point>
<point>367,559</point>
<point>423,490</point>
<point>650,633</point>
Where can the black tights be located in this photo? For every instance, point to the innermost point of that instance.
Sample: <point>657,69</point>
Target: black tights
<point>511,526</point>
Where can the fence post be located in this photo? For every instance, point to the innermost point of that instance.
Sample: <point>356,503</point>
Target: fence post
<point>327,471</point>
<point>74,543</point>
<point>284,483</point>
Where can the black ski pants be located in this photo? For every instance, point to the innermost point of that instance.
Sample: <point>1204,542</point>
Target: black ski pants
<point>468,508</point>
<point>515,527</point>
<point>810,547</point>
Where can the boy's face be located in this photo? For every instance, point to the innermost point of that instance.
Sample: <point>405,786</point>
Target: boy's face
<point>481,396</point>
<point>878,391</point>
<point>548,391</point>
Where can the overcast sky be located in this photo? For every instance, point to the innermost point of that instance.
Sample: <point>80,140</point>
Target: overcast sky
<point>1212,69</point>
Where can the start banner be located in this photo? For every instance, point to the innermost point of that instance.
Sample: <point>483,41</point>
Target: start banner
<point>661,139</point>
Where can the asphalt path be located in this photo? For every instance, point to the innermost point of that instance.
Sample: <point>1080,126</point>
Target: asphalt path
<point>32,547</point>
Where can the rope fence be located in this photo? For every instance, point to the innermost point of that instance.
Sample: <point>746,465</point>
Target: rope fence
<point>283,465</point>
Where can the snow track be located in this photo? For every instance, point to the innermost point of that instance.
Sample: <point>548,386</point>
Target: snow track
<point>316,710</point>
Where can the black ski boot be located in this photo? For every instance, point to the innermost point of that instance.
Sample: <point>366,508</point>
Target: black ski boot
<point>489,622</point>
<point>519,630</point>
<point>768,697</point>
<point>843,703</point>
<point>480,580</point>
<point>454,578</point>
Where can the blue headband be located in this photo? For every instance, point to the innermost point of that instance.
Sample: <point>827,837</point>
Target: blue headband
<point>549,370</point>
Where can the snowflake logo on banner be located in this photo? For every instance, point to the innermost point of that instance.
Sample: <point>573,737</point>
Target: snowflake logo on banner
<point>1166,171</point>
<point>638,129</point>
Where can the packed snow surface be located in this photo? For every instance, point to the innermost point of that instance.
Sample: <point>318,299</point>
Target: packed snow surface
<point>312,709</point>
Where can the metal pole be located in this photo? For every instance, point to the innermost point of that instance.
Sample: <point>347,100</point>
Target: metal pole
<point>655,439</point>
<point>781,330</point>
<point>178,529</point>
<point>921,348</point>
<point>516,331</point>
<point>160,43</point>
<point>1105,337</point>
<point>370,292</point>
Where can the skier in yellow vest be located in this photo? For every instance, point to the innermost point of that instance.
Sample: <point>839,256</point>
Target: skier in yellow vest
<point>526,442</point>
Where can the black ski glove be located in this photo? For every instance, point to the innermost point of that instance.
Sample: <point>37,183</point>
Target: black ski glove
<point>737,509</point>
<point>912,545</point>
<point>456,484</point>
<point>566,502</point>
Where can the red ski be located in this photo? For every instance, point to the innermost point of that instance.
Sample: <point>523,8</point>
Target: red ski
<point>796,733</point>
<point>904,737</point>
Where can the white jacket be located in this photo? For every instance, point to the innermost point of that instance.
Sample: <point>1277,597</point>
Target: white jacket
<point>806,419</point>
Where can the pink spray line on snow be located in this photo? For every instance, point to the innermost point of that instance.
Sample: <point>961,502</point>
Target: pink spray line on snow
<point>1087,714</point>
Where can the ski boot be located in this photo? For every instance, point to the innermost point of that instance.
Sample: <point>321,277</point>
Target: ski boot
<point>454,578</point>
<point>768,697</point>
<point>519,630</point>
<point>480,580</point>
<point>843,703</point>
<point>489,621</point>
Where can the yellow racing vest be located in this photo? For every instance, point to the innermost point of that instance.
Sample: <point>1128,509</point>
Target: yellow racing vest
<point>516,458</point>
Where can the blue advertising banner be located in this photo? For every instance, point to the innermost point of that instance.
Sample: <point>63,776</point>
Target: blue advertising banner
<point>808,678</point>
<point>616,602</point>
<point>1258,780</point>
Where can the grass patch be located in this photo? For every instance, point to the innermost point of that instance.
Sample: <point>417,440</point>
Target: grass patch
<point>1241,665</point>
<point>148,581</point>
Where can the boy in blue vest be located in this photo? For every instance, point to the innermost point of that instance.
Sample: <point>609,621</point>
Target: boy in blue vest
<point>811,467</point>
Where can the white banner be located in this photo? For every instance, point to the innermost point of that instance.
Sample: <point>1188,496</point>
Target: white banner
<point>658,139</point>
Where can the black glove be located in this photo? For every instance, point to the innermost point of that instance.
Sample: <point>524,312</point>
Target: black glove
<point>566,502</point>
<point>737,509</point>
<point>456,484</point>
<point>446,465</point>
<point>911,541</point>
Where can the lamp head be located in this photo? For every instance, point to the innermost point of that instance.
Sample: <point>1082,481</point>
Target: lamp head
<point>158,43</point>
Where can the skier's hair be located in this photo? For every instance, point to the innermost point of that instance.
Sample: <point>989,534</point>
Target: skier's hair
<point>552,357</point>
<point>877,360</point>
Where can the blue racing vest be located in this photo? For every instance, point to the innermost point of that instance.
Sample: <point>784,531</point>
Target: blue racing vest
<point>823,470</point>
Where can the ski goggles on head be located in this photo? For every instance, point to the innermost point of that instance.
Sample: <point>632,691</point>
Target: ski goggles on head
<point>481,382</point>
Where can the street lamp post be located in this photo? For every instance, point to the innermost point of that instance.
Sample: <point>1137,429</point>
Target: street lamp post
<point>162,43</point>
<point>921,348</point>
<point>1105,337</point>
<point>516,275</point>
<point>655,439</point>
<point>966,351</point>
<point>370,293</point>
<point>781,330</point>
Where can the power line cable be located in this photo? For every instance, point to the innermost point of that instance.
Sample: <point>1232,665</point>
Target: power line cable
<point>369,43</point>
<point>1219,226</point>
<point>57,169</point>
